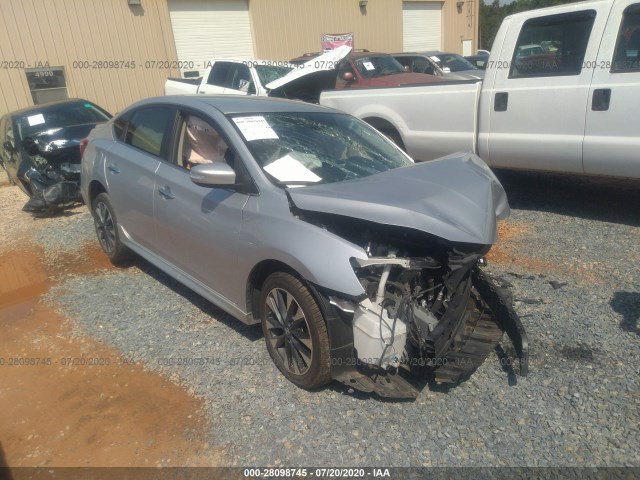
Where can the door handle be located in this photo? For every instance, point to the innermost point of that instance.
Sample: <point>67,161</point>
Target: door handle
<point>601,99</point>
<point>166,193</point>
<point>113,168</point>
<point>501,101</point>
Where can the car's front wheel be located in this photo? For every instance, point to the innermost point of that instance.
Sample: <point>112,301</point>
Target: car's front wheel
<point>106,224</point>
<point>295,331</point>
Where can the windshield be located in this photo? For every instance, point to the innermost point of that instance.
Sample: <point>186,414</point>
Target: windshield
<point>307,148</point>
<point>455,63</point>
<point>377,66</point>
<point>59,116</point>
<point>268,73</point>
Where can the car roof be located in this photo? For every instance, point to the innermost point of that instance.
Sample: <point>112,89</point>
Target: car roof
<point>367,54</point>
<point>44,106</point>
<point>229,104</point>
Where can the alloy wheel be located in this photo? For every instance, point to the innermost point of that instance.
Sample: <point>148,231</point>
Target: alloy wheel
<point>288,331</point>
<point>105,226</point>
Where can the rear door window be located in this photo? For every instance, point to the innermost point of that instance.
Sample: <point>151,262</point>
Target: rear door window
<point>149,129</point>
<point>626,57</point>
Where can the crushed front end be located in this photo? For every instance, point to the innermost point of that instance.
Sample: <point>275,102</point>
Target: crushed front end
<point>428,309</point>
<point>427,305</point>
<point>51,169</point>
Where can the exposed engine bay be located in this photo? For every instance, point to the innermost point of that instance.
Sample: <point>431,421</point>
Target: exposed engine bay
<point>428,306</point>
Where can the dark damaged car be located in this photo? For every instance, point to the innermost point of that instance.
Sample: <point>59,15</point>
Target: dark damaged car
<point>41,150</point>
<point>360,265</point>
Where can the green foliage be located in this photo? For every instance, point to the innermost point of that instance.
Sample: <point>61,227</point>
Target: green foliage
<point>492,14</point>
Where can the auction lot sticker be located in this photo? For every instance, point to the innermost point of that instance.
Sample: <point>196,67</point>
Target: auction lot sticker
<point>255,128</point>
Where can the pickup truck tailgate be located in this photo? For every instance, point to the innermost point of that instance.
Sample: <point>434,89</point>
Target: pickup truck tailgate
<point>433,119</point>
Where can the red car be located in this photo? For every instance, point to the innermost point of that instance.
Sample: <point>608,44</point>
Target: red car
<point>369,69</point>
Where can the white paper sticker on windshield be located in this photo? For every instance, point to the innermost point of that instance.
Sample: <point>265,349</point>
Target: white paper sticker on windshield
<point>35,119</point>
<point>288,169</point>
<point>435,59</point>
<point>368,65</point>
<point>255,128</point>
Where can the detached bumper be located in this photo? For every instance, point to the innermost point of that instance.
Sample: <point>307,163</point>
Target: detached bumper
<point>505,316</point>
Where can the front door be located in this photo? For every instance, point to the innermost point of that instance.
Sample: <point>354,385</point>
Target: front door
<point>197,227</point>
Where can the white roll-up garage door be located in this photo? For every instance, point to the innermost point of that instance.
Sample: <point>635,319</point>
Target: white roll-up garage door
<point>206,29</point>
<point>422,26</point>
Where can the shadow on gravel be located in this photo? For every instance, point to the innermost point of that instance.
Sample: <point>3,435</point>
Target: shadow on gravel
<point>628,305</point>
<point>252,332</point>
<point>604,199</point>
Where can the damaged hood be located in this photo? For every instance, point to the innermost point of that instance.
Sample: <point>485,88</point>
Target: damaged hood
<point>457,198</point>
<point>325,62</point>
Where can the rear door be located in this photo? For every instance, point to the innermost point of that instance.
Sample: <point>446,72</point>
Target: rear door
<point>131,166</point>
<point>612,139</point>
<point>538,102</point>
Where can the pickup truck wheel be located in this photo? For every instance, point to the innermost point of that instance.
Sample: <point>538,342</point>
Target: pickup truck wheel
<point>395,137</point>
<point>295,331</point>
<point>106,224</point>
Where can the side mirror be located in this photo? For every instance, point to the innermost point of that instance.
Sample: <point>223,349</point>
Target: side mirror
<point>8,146</point>
<point>348,76</point>
<point>407,68</point>
<point>213,174</point>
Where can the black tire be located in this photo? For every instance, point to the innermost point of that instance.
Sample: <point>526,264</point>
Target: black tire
<point>106,225</point>
<point>296,336</point>
<point>395,137</point>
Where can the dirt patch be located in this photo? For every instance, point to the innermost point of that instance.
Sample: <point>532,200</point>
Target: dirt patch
<point>505,251</point>
<point>75,402</point>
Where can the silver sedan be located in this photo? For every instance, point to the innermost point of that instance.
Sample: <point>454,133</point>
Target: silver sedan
<point>358,263</point>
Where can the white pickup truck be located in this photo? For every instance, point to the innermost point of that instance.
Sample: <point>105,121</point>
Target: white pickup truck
<point>572,105</point>
<point>263,77</point>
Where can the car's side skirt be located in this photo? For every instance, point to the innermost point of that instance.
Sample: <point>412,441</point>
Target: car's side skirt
<point>188,281</point>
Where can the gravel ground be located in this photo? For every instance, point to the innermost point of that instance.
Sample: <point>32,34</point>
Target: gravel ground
<point>570,253</point>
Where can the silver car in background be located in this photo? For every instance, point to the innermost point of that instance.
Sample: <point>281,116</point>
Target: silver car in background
<point>358,263</point>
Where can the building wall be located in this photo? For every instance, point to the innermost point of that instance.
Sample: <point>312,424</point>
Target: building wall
<point>283,29</point>
<point>63,31</point>
<point>460,24</point>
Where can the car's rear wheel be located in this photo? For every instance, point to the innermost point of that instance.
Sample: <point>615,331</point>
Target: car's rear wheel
<point>106,224</point>
<point>295,331</point>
